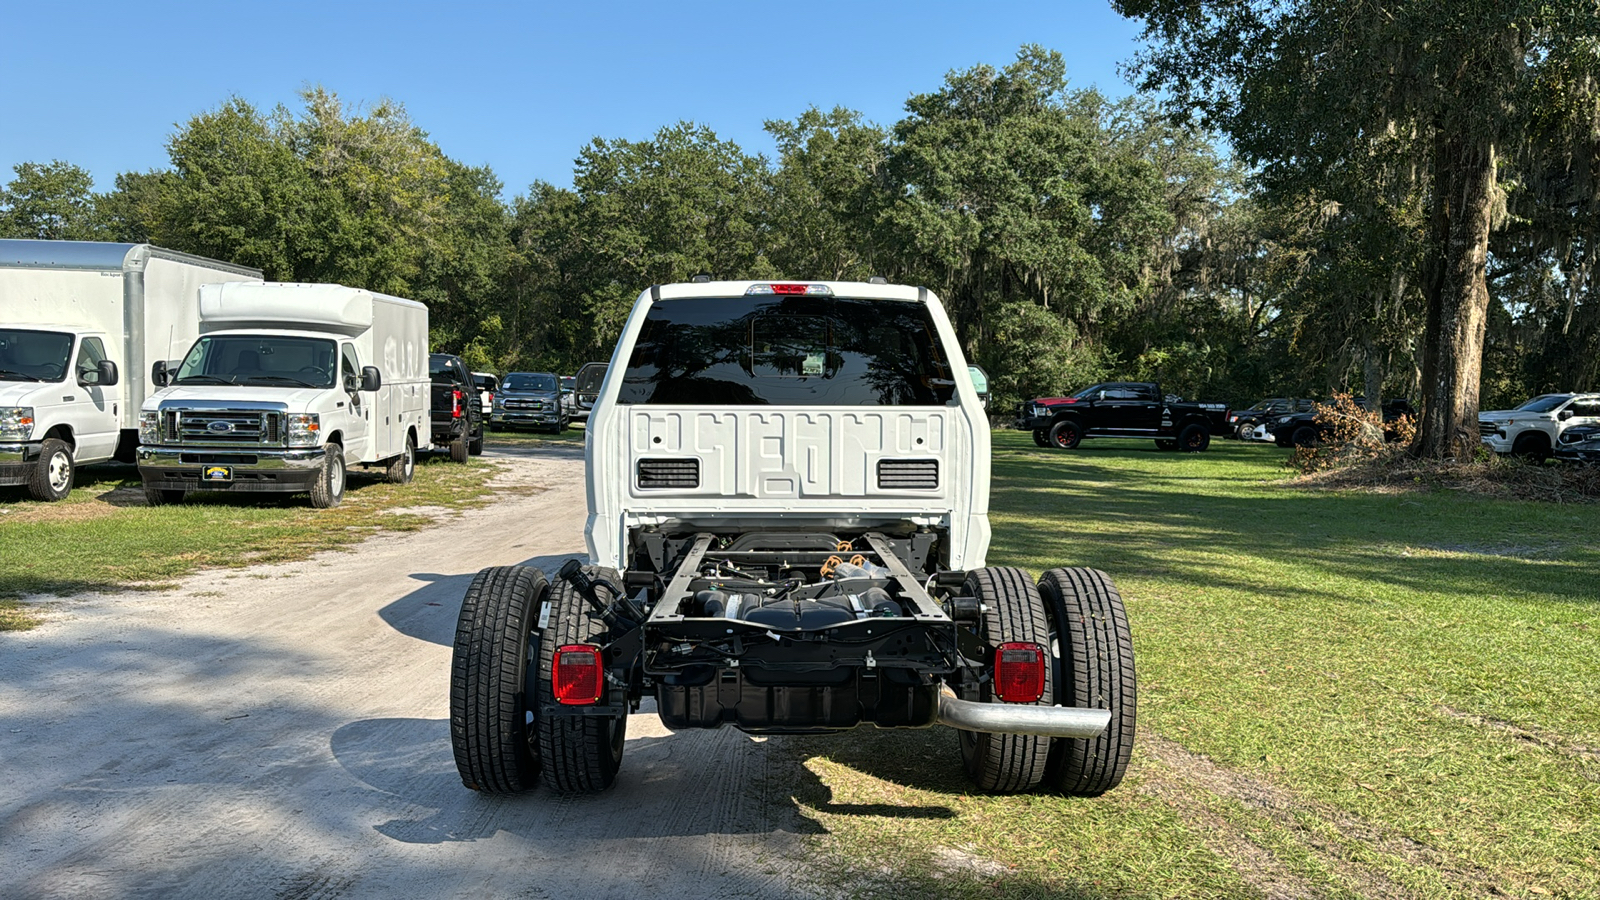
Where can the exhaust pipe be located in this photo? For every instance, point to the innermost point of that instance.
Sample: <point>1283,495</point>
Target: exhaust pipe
<point>1020,718</point>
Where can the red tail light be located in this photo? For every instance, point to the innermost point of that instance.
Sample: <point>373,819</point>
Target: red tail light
<point>455,410</point>
<point>1019,672</point>
<point>578,679</point>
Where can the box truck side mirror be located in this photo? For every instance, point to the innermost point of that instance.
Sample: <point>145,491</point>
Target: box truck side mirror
<point>371,380</point>
<point>103,374</point>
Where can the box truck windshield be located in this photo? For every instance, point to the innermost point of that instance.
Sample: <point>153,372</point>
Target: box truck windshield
<point>260,360</point>
<point>28,355</point>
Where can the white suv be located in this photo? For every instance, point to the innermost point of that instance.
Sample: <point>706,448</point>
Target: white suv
<point>1533,428</point>
<point>788,489</point>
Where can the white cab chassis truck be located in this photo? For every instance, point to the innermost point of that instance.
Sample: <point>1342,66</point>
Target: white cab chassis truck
<point>788,492</point>
<point>81,323</point>
<point>287,386</point>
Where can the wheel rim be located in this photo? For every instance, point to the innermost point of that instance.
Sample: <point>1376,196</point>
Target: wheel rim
<point>60,473</point>
<point>1194,441</point>
<point>411,458</point>
<point>1064,437</point>
<point>335,476</point>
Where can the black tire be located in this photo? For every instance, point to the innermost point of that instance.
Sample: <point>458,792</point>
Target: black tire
<point>1166,444</point>
<point>1532,447</point>
<point>1095,656</point>
<point>1041,437</point>
<point>458,449</point>
<point>475,446</point>
<point>1243,432</point>
<point>402,467</point>
<point>162,496</point>
<point>328,490</point>
<point>1013,611</point>
<point>1194,438</point>
<point>1066,434</point>
<point>562,424</point>
<point>580,754</point>
<point>491,730</point>
<point>1304,436</point>
<point>51,478</point>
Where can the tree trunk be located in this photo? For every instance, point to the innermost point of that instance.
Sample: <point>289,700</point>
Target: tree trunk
<point>1458,299</point>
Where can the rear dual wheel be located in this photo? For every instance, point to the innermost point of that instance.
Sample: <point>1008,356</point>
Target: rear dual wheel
<point>1077,614</point>
<point>502,745</point>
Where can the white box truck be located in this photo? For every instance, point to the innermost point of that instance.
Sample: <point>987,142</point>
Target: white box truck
<point>288,386</point>
<point>81,325</point>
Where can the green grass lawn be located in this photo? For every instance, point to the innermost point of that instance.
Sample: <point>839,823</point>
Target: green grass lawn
<point>102,536</point>
<point>1341,694</point>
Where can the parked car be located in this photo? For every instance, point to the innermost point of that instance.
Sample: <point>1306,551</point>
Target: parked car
<point>457,414</point>
<point>488,384</point>
<point>82,325</point>
<point>1581,443</point>
<point>1125,409</point>
<point>530,400</point>
<point>1302,429</point>
<point>1243,421</point>
<point>1534,429</point>
<point>282,392</point>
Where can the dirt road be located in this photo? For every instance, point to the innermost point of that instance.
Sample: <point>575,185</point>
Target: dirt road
<point>283,732</point>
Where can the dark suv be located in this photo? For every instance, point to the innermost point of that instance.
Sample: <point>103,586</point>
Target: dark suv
<point>530,400</point>
<point>457,412</point>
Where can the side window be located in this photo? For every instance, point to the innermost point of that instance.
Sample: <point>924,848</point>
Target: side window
<point>349,366</point>
<point>1146,393</point>
<point>89,356</point>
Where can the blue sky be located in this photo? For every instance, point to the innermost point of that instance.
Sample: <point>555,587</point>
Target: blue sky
<point>519,86</point>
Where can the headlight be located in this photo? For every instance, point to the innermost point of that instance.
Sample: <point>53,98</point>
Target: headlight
<point>150,428</point>
<point>16,422</point>
<point>302,429</point>
<point>1283,419</point>
<point>1041,411</point>
<point>499,403</point>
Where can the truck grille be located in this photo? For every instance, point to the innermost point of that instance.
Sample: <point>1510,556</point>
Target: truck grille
<point>223,427</point>
<point>524,404</point>
<point>1487,428</point>
<point>908,474</point>
<point>669,473</point>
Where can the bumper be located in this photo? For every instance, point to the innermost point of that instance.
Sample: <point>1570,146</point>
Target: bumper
<point>248,469</point>
<point>1580,455</point>
<point>1497,442</point>
<point>1030,423</point>
<point>515,417</point>
<point>16,462</point>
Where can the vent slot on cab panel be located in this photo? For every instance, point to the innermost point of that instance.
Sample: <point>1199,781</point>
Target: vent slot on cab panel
<point>908,474</point>
<point>661,474</point>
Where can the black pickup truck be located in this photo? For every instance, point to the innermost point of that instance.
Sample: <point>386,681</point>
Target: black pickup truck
<point>457,411</point>
<point>1123,409</point>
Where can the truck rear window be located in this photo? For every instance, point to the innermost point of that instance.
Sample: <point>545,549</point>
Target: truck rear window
<point>787,351</point>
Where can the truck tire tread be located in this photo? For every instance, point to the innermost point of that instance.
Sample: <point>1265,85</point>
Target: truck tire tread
<point>1097,671</point>
<point>489,732</point>
<point>580,754</point>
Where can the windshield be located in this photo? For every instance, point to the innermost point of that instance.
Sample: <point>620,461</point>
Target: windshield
<point>33,355</point>
<point>790,351</point>
<point>568,383</point>
<point>523,381</point>
<point>1544,403</point>
<point>273,359</point>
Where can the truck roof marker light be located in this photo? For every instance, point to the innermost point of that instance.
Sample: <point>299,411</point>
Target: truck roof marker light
<point>811,290</point>
<point>1019,672</point>
<point>577,678</point>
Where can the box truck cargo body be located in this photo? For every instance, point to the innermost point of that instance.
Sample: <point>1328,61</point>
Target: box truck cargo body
<point>81,325</point>
<point>287,386</point>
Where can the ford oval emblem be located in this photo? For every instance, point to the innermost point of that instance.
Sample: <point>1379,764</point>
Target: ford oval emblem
<point>220,427</point>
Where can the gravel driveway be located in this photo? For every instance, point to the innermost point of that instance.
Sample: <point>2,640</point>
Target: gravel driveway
<point>282,731</point>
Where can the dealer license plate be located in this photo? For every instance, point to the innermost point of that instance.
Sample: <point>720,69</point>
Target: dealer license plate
<point>217,473</point>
